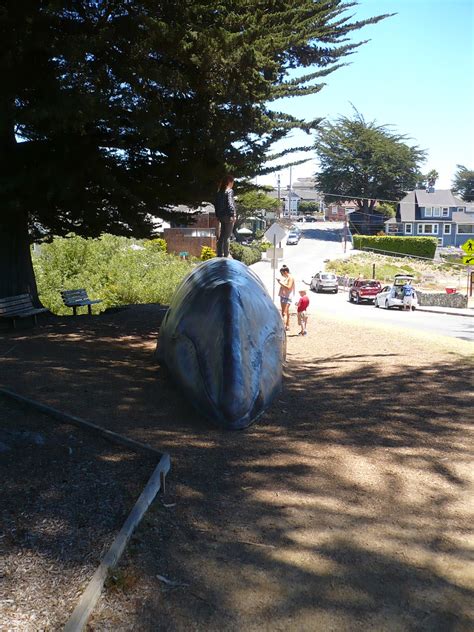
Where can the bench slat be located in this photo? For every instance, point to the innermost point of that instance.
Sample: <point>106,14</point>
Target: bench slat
<point>20,306</point>
<point>23,299</point>
<point>78,298</point>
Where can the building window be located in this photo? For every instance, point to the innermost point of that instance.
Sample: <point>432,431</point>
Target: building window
<point>436,212</point>
<point>428,211</point>
<point>445,211</point>
<point>334,211</point>
<point>408,229</point>
<point>428,229</point>
<point>461,209</point>
<point>447,229</point>
<point>465,229</point>
<point>440,241</point>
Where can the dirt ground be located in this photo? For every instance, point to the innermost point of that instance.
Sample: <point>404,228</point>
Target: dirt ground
<point>347,507</point>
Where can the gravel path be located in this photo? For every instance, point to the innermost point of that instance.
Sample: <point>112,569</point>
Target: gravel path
<point>347,507</point>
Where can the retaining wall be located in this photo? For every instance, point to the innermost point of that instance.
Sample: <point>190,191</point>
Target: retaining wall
<point>440,299</point>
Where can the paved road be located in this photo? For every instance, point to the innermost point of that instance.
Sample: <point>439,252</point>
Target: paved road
<point>323,241</point>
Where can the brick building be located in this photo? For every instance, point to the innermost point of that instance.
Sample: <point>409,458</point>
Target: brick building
<point>192,236</point>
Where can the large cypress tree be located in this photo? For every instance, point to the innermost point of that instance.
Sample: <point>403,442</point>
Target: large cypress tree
<point>365,161</point>
<point>111,110</point>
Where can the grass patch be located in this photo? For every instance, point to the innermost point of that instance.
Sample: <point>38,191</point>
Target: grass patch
<point>427,274</point>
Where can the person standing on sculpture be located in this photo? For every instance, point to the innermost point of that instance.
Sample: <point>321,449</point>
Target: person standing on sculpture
<point>225,213</point>
<point>287,288</point>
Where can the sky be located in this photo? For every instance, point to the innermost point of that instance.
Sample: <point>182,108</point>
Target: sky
<point>416,75</point>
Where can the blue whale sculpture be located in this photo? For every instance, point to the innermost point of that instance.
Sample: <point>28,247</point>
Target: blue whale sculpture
<point>223,341</point>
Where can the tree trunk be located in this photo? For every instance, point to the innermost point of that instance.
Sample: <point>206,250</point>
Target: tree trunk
<point>16,268</point>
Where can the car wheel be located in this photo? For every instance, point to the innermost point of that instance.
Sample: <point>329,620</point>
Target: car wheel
<point>351,298</point>
<point>413,308</point>
<point>387,306</point>
<point>376,303</point>
<point>357,299</point>
<point>336,291</point>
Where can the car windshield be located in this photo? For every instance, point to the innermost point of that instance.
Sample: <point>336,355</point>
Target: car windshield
<point>371,283</point>
<point>327,276</point>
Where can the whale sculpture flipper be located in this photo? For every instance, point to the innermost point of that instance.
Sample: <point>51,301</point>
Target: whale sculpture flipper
<point>223,341</point>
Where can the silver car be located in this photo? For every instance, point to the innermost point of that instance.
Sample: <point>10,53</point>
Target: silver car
<point>324,282</point>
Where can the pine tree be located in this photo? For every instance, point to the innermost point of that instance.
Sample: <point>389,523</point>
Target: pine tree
<point>365,162</point>
<point>463,183</point>
<point>110,111</point>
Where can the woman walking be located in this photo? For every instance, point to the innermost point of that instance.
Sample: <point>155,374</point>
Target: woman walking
<point>225,213</point>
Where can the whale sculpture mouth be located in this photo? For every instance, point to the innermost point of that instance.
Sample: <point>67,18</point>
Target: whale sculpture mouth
<point>222,339</point>
<point>232,408</point>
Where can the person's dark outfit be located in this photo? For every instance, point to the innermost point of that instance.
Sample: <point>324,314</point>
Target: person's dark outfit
<point>225,213</point>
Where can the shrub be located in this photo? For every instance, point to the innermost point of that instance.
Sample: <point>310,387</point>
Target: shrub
<point>245,254</point>
<point>157,244</point>
<point>417,246</point>
<point>264,246</point>
<point>108,269</point>
<point>207,253</point>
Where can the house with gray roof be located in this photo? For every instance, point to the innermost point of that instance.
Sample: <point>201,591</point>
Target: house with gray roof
<point>440,214</point>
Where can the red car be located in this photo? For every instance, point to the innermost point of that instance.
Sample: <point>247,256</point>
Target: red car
<point>364,290</point>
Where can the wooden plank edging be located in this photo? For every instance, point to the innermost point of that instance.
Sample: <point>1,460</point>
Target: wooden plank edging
<point>90,596</point>
<point>82,423</point>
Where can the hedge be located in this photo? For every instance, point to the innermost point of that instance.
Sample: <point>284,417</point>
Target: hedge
<point>417,246</point>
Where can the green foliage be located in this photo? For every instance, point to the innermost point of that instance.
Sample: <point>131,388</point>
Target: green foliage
<point>359,158</point>
<point>253,202</point>
<point>158,244</point>
<point>386,209</point>
<point>386,267</point>
<point>109,133</point>
<point>207,253</point>
<point>417,246</point>
<point>264,246</point>
<point>307,207</point>
<point>245,254</point>
<point>108,268</point>
<point>463,183</point>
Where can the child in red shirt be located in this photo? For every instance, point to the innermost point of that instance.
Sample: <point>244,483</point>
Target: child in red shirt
<point>302,306</point>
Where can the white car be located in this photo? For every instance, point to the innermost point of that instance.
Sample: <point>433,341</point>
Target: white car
<point>292,239</point>
<point>392,295</point>
<point>324,282</point>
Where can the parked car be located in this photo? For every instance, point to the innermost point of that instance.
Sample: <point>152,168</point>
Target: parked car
<point>324,282</point>
<point>392,295</point>
<point>364,290</point>
<point>310,218</point>
<point>292,239</point>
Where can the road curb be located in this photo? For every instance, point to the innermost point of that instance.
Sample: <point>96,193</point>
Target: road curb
<point>432,311</point>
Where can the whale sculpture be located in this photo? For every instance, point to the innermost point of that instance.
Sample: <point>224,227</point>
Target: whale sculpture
<point>223,341</point>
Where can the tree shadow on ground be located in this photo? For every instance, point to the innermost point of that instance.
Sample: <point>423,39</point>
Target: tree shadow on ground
<point>346,507</point>
<point>324,235</point>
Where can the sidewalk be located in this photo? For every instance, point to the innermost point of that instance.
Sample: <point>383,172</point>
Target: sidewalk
<point>453,311</point>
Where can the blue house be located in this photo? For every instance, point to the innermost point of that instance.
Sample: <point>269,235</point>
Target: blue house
<point>440,214</point>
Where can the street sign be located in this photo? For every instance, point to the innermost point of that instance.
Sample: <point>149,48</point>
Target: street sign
<point>468,260</point>
<point>275,233</point>
<point>274,253</point>
<point>468,246</point>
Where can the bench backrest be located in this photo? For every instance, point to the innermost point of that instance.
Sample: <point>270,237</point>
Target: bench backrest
<point>15,304</point>
<point>74,296</point>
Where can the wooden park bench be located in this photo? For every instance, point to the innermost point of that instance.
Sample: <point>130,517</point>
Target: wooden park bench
<point>78,298</point>
<point>20,306</point>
